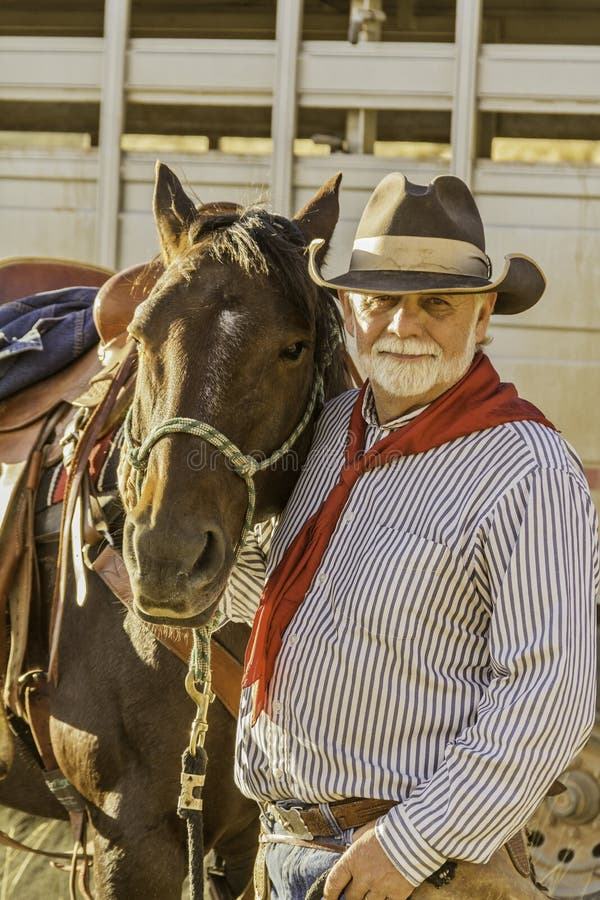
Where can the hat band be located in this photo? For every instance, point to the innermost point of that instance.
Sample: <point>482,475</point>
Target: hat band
<point>420,254</point>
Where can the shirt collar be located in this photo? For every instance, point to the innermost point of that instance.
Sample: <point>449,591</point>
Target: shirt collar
<point>370,413</point>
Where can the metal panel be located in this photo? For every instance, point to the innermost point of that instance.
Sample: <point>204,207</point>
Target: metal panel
<point>28,167</point>
<point>374,75</point>
<point>199,71</point>
<point>531,78</point>
<point>52,233</point>
<point>566,389</point>
<point>50,68</point>
<point>526,180</point>
<point>218,171</point>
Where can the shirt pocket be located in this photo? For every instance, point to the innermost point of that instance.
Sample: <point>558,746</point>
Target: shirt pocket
<point>396,583</point>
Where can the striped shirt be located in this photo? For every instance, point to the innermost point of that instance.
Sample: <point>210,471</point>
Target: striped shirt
<point>444,655</point>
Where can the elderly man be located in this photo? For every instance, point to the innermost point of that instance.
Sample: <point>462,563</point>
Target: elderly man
<point>421,666</point>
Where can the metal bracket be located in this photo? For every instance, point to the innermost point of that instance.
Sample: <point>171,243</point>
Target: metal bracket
<point>202,696</point>
<point>188,799</point>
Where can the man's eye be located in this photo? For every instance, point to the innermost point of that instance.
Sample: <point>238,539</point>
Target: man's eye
<point>437,302</point>
<point>294,351</point>
<point>378,304</point>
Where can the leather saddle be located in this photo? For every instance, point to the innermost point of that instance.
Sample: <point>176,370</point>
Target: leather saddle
<point>21,276</point>
<point>118,298</point>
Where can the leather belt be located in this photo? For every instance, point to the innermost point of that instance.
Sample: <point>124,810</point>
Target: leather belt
<point>307,822</point>
<point>304,823</point>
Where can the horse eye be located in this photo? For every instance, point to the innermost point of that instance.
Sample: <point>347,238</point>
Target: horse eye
<point>294,351</point>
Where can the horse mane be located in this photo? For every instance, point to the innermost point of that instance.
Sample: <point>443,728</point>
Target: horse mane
<point>266,244</point>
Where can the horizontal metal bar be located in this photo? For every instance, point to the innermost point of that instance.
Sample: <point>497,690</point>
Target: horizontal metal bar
<point>332,74</point>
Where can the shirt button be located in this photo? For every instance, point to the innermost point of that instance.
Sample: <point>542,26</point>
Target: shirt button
<point>276,706</point>
<point>292,639</point>
<point>277,772</point>
<point>348,517</point>
<point>322,578</point>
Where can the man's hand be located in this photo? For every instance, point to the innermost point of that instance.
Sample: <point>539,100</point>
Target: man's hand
<point>366,869</point>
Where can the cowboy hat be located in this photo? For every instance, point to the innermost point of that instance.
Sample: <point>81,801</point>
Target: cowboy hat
<point>415,239</point>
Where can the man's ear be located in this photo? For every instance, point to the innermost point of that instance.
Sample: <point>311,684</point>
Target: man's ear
<point>347,310</point>
<point>485,311</point>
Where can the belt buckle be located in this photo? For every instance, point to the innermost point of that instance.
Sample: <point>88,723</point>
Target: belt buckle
<point>292,821</point>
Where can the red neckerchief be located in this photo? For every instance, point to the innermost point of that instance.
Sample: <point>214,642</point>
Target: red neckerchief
<point>476,402</point>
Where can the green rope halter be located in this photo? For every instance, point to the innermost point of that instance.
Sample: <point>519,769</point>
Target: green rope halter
<point>244,465</point>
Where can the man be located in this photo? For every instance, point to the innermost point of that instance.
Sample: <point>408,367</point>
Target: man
<point>425,639</point>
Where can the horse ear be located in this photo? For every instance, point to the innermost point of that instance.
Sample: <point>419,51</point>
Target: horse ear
<point>319,216</point>
<point>173,213</point>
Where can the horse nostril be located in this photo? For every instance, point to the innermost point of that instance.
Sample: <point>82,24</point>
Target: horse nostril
<point>212,556</point>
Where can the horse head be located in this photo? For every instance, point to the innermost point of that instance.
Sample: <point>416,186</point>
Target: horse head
<point>236,348</point>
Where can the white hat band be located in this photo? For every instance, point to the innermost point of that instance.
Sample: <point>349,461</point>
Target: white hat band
<point>420,254</point>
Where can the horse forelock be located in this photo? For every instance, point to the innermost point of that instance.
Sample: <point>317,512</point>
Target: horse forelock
<point>262,243</point>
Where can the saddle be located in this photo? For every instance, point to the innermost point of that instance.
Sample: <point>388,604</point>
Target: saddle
<point>21,276</point>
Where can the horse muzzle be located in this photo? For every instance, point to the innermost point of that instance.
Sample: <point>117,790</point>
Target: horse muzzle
<point>181,588</point>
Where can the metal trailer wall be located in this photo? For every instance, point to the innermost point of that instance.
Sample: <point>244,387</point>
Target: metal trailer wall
<point>95,204</point>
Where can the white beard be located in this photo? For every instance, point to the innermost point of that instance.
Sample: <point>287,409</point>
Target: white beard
<point>411,379</point>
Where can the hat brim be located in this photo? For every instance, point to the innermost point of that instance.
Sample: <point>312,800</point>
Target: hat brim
<point>519,287</point>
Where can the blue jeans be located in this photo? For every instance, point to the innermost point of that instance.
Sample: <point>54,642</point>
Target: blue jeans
<point>294,870</point>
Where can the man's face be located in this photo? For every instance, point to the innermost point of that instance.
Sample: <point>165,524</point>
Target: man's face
<point>416,346</point>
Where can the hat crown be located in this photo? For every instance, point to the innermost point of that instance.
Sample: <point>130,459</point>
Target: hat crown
<point>445,208</point>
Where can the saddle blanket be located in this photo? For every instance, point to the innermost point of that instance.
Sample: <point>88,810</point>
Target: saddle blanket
<point>103,464</point>
<point>42,334</point>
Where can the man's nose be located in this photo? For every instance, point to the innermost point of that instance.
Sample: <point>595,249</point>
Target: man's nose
<point>406,320</point>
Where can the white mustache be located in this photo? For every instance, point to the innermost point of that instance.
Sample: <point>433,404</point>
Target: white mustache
<point>408,347</point>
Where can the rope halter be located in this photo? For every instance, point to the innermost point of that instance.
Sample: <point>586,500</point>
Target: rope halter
<point>244,465</point>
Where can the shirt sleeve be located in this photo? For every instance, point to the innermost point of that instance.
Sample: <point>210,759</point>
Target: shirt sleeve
<point>536,560</point>
<point>247,579</point>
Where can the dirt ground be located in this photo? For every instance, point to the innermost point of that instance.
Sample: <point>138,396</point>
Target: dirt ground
<point>24,876</point>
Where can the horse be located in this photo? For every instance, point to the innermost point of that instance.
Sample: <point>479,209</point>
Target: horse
<point>242,393</point>
<point>234,307</point>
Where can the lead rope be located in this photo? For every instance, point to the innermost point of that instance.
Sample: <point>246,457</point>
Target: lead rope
<point>194,759</point>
